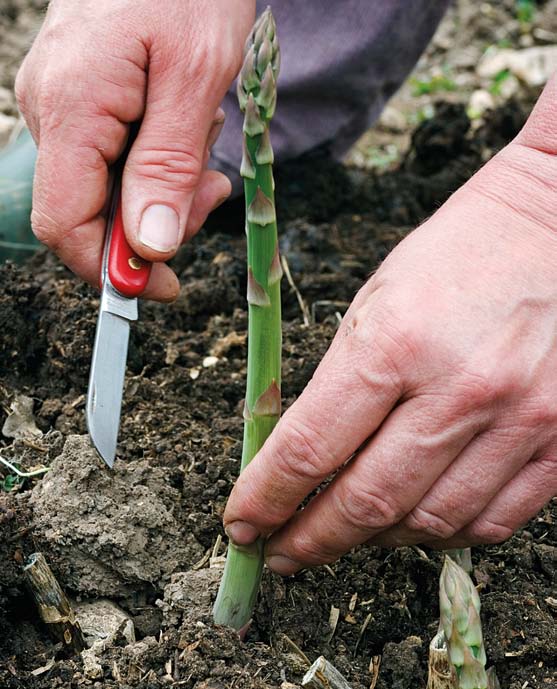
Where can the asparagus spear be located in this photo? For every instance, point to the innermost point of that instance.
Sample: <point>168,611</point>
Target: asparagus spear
<point>257,98</point>
<point>462,557</point>
<point>460,621</point>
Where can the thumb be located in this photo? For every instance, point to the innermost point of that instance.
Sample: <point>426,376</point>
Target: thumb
<point>164,167</point>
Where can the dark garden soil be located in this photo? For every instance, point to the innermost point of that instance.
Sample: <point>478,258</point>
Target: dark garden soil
<point>142,534</point>
<point>146,535</point>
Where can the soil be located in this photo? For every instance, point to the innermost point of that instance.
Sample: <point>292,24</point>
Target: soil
<point>147,535</point>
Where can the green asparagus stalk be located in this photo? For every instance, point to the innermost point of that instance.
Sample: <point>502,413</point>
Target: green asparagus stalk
<point>257,98</point>
<point>460,621</point>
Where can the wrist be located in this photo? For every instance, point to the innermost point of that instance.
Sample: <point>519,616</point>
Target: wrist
<point>522,180</point>
<point>523,175</point>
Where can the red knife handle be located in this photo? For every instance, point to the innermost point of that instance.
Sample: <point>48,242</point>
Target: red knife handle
<point>128,272</point>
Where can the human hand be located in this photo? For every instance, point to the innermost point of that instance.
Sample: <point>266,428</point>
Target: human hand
<point>437,400</point>
<point>95,67</point>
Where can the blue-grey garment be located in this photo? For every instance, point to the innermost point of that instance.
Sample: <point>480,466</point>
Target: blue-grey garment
<point>341,61</point>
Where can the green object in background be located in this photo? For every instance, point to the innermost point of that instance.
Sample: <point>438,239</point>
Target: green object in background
<point>525,11</point>
<point>17,165</point>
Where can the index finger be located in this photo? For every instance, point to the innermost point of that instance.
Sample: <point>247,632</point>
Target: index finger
<point>353,390</point>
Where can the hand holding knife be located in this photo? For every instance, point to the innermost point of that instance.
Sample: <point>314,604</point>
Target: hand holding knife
<point>124,276</point>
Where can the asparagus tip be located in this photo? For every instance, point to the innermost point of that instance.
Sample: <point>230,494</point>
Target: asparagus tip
<point>261,67</point>
<point>460,620</point>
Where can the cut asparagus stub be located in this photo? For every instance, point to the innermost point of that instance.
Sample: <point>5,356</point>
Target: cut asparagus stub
<point>460,620</point>
<point>236,596</point>
<point>52,603</point>
<point>441,672</point>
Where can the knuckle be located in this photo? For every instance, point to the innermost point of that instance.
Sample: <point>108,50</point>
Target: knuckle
<point>490,381</point>
<point>173,168</point>
<point>307,551</point>
<point>55,77</point>
<point>44,229</point>
<point>472,391</point>
<point>301,453</point>
<point>546,469</point>
<point>429,524</point>
<point>221,53</point>
<point>230,60</point>
<point>254,507</point>
<point>366,510</point>
<point>541,474</point>
<point>399,343</point>
<point>20,90</point>
<point>212,61</point>
<point>49,99</point>
<point>542,414</point>
<point>488,531</point>
<point>376,349</point>
<point>57,98</point>
<point>399,316</point>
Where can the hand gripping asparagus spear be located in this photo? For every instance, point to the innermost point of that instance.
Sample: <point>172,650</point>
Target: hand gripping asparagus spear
<point>257,98</point>
<point>460,621</point>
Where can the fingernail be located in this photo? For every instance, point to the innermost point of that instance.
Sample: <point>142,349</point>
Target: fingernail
<point>241,533</point>
<point>159,228</point>
<point>219,202</point>
<point>282,565</point>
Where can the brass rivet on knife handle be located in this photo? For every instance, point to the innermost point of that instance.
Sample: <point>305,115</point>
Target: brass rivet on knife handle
<point>134,263</point>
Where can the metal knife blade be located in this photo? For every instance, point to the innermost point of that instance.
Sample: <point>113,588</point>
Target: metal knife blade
<point>108,368</point>
<point>124,276</point>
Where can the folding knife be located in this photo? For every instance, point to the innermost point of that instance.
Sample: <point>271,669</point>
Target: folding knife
<point>124,276</point>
